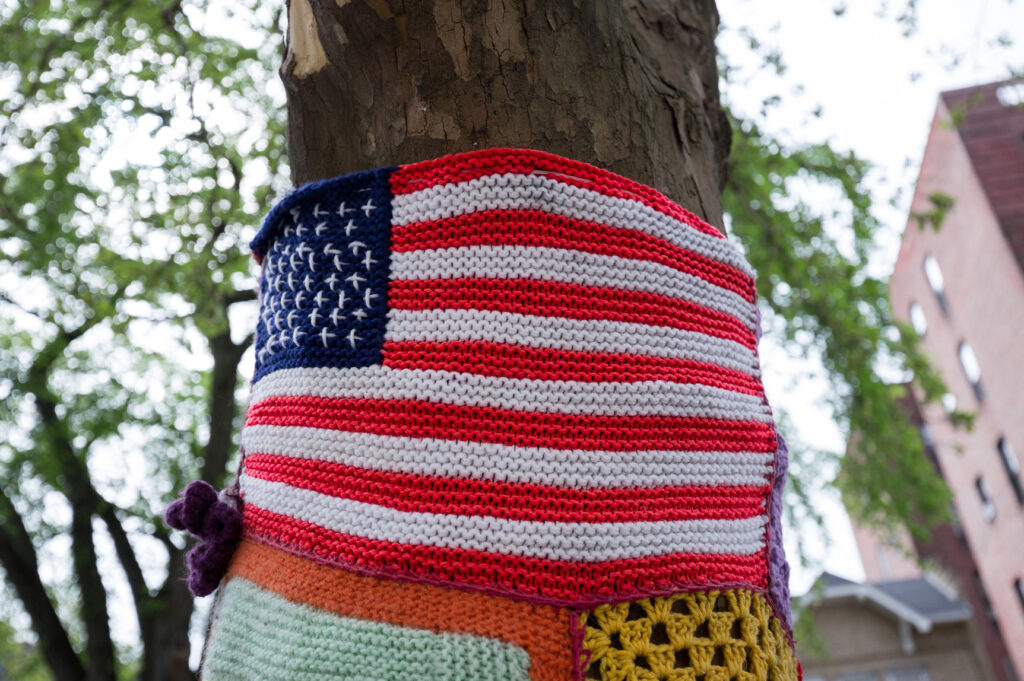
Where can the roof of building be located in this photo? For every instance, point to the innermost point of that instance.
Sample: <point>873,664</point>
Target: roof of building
<point>921,601</point>
<point>990,121</point>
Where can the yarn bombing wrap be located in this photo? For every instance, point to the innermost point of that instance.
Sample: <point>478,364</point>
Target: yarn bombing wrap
<point>506,422</point>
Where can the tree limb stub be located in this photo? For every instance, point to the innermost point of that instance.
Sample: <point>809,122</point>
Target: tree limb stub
<point>305,53</point>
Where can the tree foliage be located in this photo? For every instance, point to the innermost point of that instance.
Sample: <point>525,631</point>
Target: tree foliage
<point>18,660</point>
<point>140,143</point>
<point>812,260</point>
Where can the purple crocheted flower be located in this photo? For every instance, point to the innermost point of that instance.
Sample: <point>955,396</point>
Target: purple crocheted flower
<point>216,524</point>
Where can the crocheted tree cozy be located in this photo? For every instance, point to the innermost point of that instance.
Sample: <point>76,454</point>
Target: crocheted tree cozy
<point>506,422</point>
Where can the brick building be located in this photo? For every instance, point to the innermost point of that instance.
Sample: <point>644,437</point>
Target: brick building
<point>962,289</point>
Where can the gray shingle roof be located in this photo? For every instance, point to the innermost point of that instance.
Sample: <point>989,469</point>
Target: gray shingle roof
<point>925,597</point>
<point>922,601</point>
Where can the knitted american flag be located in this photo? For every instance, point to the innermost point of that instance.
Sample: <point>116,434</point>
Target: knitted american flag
<point>510,372</point>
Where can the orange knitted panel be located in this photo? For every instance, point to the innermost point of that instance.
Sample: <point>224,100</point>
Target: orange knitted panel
<point>543,631</point>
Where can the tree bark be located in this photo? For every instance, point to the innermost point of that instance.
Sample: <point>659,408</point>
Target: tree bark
<point>631,86</point>
<point>99,646</point>
<point>165,625</point>
<point>18,557</point>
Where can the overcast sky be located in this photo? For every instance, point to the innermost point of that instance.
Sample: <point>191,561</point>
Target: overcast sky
<point>878,90</point>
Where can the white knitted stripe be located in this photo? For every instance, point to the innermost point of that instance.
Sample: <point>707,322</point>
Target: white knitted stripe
<point>577,542</point>
<point>570,267</point>
<point>640,398</point>
<point>567,468</point>
<point>515,191</point>
<point>581,335</point>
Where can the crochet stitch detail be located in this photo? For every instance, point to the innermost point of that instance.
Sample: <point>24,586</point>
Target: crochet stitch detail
<point>707,636</point>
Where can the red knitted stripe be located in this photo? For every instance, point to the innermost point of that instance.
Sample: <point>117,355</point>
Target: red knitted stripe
<point>413,418</point>
<point>562,581</point>
<point>537,228</point>
<point>471,165</point>
<point>551,364</point>
<point>573,301</point>
<point>459,496</point>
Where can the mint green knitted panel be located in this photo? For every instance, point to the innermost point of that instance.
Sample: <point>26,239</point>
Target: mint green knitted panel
<point>259,636</point>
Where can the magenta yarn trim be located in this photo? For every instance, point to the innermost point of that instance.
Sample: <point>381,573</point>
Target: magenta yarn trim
<point>580,655</point>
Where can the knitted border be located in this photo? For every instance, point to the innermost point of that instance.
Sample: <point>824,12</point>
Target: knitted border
<point>472,165</point>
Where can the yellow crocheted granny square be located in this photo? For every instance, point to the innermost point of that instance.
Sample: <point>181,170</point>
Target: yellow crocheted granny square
<point>728,635</point>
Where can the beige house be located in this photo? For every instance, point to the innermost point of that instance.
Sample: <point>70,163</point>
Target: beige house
<point>908,630</point>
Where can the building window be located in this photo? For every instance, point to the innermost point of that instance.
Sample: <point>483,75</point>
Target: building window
<point>972,370</point>
<point>933,273</point>
<point>1012,467</point>
<point>986,604</point>
<point>958,525</point>
<point>918,320</point>
<point>1019,585</point>
<point>988,509</point>
<point>908,674</point>
<point>1011,671</point>
<point>882,558</point>
<point>926,436</point>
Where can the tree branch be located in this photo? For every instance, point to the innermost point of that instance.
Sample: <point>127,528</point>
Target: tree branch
<point>126,555</point>
<point>4,298</point>
<point>18,556</point>
<point>84,501</point>
<point>95,615</point>
<point>223,408</point>
<point>162,535</point>
<point>242,296</point>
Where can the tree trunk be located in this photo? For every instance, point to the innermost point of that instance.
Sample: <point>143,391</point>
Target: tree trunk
<point>631,86</point>
<point>165,623</point>
<point>165,628</point>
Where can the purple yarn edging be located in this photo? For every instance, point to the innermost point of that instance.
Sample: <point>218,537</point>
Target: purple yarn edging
<point>778,567</point>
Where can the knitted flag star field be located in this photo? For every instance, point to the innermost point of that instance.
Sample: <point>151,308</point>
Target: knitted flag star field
<point>506,422</point>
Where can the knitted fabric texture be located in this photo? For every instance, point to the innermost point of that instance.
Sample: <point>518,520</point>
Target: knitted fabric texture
<point>494,381</point>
